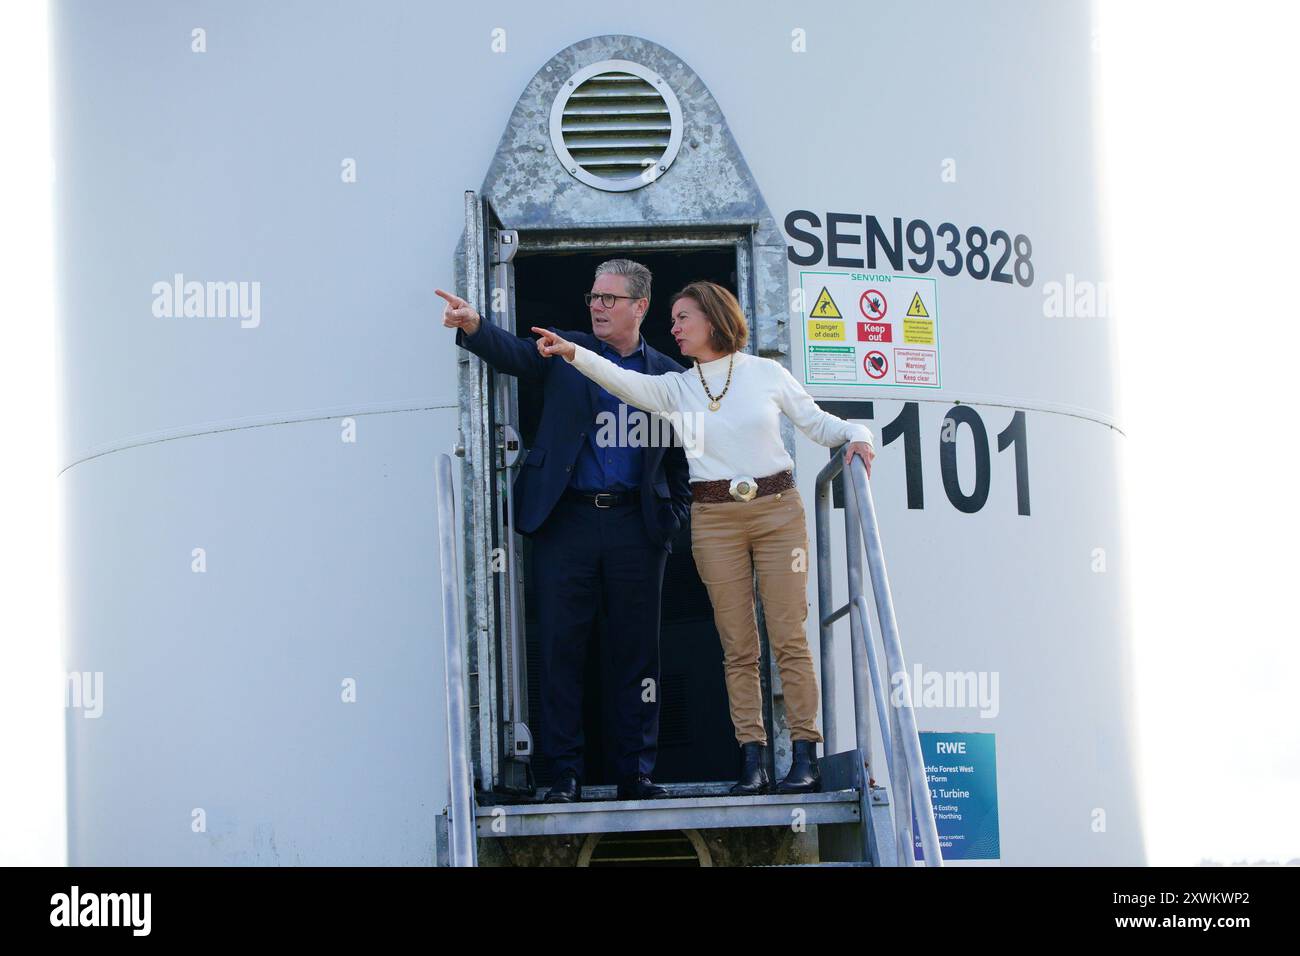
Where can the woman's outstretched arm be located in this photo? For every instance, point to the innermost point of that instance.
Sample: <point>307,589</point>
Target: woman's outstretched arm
<point>654,393</point>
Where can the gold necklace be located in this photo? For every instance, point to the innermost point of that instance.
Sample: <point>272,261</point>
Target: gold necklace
<point>714,403</point>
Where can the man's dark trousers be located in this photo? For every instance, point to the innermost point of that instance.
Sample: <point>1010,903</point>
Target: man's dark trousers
<point>586,558</point>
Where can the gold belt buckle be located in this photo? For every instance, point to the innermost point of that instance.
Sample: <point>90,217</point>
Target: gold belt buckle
<point>743,488</point>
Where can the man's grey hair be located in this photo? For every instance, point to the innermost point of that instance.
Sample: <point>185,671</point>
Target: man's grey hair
<point>638,276</point>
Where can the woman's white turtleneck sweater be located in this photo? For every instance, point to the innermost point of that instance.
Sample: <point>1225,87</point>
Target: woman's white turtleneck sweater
<point>743,437</point>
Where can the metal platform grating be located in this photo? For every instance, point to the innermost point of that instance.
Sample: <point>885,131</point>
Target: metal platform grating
<point>673,813</point>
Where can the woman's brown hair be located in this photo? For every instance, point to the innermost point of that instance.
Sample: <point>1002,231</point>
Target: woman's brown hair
<point>729,332</point>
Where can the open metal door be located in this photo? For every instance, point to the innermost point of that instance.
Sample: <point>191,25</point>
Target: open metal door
<point>494,558</point>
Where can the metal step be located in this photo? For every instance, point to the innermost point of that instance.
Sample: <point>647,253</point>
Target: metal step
<point>673,813</point>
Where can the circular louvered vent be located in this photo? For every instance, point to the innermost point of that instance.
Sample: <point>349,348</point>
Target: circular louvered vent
<point>616,125</point>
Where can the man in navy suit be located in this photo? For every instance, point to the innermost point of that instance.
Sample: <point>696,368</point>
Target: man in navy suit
<point>601,515</point>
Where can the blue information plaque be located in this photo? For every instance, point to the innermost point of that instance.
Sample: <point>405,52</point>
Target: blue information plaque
<point>962,772</point>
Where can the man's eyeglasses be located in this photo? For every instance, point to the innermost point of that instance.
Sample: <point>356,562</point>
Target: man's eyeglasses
<point>607,299</point>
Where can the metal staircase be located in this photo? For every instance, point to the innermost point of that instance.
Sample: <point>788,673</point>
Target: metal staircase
<point>852,811</point>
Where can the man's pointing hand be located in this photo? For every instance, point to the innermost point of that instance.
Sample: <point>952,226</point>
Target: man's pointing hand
<point>458,314</point>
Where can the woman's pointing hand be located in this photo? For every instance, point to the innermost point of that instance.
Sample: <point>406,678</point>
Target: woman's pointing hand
<point>551,344</point>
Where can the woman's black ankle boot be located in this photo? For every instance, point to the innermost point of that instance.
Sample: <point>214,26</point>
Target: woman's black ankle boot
<point>804,777</point>
<point>753,771</point>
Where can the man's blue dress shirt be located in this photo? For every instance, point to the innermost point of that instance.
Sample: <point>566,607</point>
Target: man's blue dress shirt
<point>616,467</point>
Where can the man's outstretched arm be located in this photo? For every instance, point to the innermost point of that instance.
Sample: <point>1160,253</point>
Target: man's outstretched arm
<point>504,352</point>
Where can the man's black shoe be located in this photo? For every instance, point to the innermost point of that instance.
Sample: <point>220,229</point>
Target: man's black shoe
<point>566,788</point>
<point>804,777</point>
<point>753,771</point>
<point>641,788</point>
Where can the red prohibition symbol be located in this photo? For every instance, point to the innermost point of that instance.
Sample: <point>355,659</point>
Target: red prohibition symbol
<point>873,304</point>
<point>876,364</point>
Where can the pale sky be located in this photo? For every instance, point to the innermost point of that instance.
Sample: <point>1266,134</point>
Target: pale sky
<point>1196,104</point>
<point>1196,149</point>
<point>31,707</point>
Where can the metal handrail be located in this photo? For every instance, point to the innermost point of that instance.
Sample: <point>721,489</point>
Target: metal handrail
<point>898,727</point>
<point>462,842</point>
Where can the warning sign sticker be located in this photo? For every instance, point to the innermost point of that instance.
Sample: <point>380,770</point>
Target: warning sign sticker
<point>876,364</point>
<point>918,332</point>
<point>916,366</point>
<point>873,304</point>
<point>823,331</point>
<point>875,332</point>
<point>892,309</point>
<point>825,307</point>
<point>831,364</point>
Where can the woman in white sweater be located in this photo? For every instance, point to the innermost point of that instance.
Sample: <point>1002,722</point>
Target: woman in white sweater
<point>747,513</point>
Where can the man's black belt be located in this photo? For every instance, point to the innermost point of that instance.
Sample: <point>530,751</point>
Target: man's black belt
<point>604,499</point>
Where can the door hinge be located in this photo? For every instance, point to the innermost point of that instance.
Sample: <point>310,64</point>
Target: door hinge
<point>504,244</point>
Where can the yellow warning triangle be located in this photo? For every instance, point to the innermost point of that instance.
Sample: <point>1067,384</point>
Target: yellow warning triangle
<point>917,308</point>
<point>825,307</point>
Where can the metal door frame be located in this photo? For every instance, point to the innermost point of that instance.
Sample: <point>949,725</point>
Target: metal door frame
<point>488,618</point>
